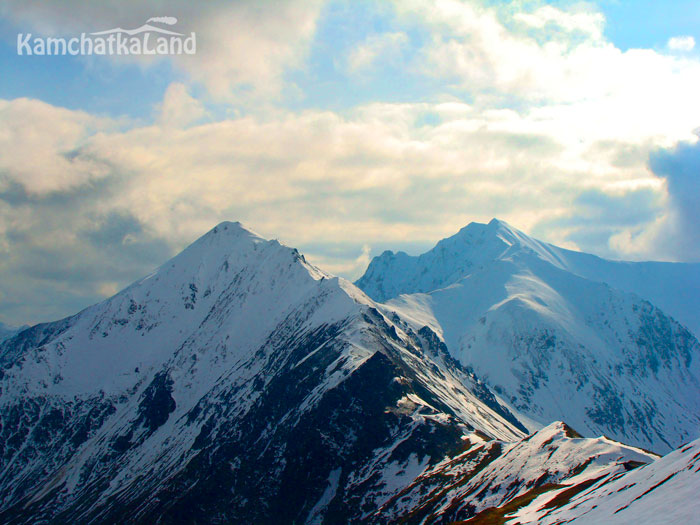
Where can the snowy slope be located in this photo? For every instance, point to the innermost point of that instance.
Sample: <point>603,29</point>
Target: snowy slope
<point>8,331</point>
<point>240,384</point>
<point>554,345</point>
<point>493,474</point>
<point>673,287</point>
<point>235,367</point>
<point>665,491</point>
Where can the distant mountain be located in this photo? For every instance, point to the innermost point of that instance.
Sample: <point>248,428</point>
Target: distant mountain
<point>673,287</point>
<point>552,344</point>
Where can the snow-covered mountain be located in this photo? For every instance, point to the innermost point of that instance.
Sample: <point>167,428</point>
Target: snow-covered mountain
<point>240,384</point>
<point>496,477</point>
<point>555,345</point>
<point>664,491</point>
<point>673,287</point>
<point>237,383</point>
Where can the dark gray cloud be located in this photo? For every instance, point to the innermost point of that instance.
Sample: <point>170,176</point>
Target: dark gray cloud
<point>596,217</point>
<point>680,166</point>
<point>68,253</point>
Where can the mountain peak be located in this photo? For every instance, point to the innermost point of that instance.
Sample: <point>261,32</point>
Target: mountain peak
<point>223,240</point>
<point>232,245</point>
<point>233,229</point>
<point>453,258</point>
<point>493,223</point>
<point>498,223</point>
<point>496,228</point>
<point>225,269</point>
<point>482,243</point>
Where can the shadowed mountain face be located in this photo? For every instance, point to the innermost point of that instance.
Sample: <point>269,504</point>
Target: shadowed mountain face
<point>556,343</point>
<point>240,384</point>
<point>8,331</point>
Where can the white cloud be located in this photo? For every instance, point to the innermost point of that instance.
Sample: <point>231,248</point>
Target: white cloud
<point>590,23</point>
<point>516,59</point>
<point>38,145</point>
<point>179,108</point>
<point>244,48</point>
<point>681,43</point>
<point>341,263</point>
<point>384,47</point>
<point>309,178</point>
<point>249,46</point>
<point>558,132</point>
<point>372,175</point>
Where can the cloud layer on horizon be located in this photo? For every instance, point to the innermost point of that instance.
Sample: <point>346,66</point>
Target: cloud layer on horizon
<point>536,119</point>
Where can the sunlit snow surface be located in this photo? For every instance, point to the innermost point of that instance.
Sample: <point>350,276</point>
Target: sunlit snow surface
<point>538,325</point>
<point>665,491</point>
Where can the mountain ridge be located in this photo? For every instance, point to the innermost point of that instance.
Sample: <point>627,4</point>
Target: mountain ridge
<point>240,383</point>
<point>574,348</point>
<point>674,287</point>
<point>185,380</point>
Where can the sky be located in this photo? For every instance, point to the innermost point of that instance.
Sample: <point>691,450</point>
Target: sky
<point>343,128</point>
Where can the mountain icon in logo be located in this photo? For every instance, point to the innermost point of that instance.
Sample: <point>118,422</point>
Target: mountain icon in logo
<point>145,28</point>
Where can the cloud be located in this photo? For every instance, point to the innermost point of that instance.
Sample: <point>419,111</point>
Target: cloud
<point>608,220</point>
<point>555,139</point>
<point>588,23</point>
<point>670,232</point>
<point>179,108</point>
<point>681,43</point>
<point>247,47</point>
<point>376,175</point>
<point>61,252</point>
<point>556,59</point>
<point>44,158</point>
<point>382,47</point>
<point>244,48</point>
<point>680,167</point>
<point>338,259</point>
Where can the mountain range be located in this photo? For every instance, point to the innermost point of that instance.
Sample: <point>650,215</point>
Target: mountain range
<point>239,383</point>
<point>558,334</point>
